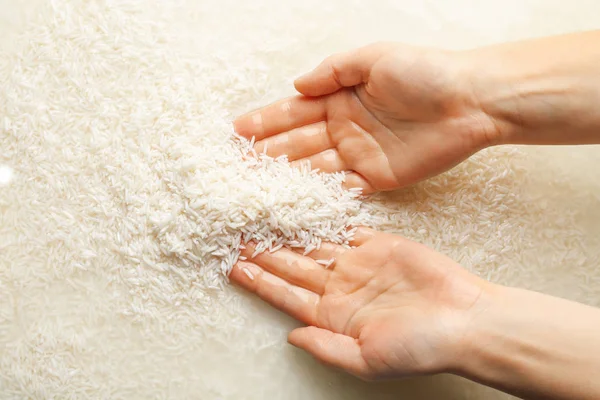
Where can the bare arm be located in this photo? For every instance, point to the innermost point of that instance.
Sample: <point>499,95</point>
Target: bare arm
<point>534,346</point>
<point>542,91</point>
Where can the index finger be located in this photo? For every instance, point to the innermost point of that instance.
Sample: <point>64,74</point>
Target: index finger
<point>281,116</point>
<point>291,299</point>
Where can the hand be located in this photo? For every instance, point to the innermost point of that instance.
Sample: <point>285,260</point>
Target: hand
<point>387,308</point>
<point>389,114</point>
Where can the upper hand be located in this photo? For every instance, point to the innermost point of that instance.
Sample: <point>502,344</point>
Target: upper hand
<point>388,308</point>
<point>389,114</point>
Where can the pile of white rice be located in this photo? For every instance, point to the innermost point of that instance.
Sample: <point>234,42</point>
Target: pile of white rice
<point>124,196</point>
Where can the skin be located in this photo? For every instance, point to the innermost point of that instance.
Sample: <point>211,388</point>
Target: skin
<point>390,115</point>
<point>378,312</point>
<point>367,114</point>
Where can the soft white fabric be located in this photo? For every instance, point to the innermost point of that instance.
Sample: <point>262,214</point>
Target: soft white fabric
<point>82,318</point>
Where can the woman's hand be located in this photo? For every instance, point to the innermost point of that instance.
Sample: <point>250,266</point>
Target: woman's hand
<point>392,114</point>
<point>388,308</point>
<point>392,308</point>
<point>389,114</point>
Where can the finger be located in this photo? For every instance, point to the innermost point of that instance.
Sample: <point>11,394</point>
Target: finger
<point>295,301</point>
<point>295,268</point>
<point>325,161</point>
<point>280,117</point>
<point>298,143</point>
<point>355,180</point>
<point>340,70</point>
<point>363,235</point>
<point>331,348</point>
<point>326,252</point>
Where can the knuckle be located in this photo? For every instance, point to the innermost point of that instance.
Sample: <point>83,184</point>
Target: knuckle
<point>335,72</point>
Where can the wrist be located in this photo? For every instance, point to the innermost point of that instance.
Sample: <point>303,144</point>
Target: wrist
<point>465,319</point>
<point>498,349</point>
<point>493,96</point>
<point>486,127</point>
<point>479,329</point>
<point>476,323</point>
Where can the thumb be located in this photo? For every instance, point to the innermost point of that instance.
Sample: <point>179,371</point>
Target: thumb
<point>340,70</point>
<point>331,348</point>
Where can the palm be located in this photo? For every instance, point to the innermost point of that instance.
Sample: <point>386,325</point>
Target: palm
<point>411,119</point>
<point>378,300</point>
<point>390,297</point>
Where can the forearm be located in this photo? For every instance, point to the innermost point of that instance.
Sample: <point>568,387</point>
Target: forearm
<point>542,91</point>
<point>535,346</point>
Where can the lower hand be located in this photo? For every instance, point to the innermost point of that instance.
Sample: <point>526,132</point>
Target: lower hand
<point>387,308</point>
